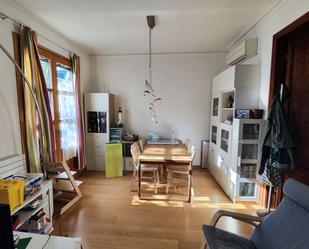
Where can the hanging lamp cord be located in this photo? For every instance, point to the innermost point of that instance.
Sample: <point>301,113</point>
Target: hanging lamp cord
<point>150,58</point>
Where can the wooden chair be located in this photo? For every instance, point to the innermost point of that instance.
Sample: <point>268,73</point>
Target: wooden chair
<point>64,182</point>
<point>141,144</point>
<point>145,168</point>
<point>176,173</point>
<point>187,143</point>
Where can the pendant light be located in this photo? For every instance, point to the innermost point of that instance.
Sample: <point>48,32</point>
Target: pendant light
<point>148,83</point>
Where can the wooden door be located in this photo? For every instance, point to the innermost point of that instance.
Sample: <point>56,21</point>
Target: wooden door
<point>290,65</point>
<point>298,83</point>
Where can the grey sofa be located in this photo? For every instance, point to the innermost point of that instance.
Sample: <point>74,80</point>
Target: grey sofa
<point>285,228</point>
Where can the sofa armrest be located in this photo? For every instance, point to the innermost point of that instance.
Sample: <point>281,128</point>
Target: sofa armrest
<point>237,216</point>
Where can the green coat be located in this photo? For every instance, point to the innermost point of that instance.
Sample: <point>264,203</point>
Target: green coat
<point>280,140</point>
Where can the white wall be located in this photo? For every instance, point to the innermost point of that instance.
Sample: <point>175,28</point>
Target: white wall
<point>284,14</point>
<point>183,81</point>
<point>10,143</point>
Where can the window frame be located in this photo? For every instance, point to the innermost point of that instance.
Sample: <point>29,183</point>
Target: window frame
<point>55,59</point>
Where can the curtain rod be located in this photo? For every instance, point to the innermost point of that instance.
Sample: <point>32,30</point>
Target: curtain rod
<point>4,17</point>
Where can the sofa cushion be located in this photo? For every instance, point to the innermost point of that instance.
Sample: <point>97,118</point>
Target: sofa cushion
<point>220,239</point>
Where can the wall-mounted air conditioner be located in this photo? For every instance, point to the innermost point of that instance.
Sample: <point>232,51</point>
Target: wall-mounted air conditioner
<point>242,52</point>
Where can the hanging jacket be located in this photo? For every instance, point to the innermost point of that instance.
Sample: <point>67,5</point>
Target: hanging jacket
<point>280,139</point>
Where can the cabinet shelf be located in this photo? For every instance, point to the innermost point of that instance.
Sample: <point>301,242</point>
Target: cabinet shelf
<point>246,198</point>
<point>44,196</point>
<point>229,125</point>
<point>249,160</point>
<point>248,180</point>
<point>25,215</point>
<point>249,141</point>
<point>43,189</point>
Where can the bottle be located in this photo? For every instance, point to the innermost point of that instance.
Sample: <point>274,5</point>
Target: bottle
<point>119,121</point>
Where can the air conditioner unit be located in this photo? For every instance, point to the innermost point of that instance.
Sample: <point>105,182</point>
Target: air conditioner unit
<point>242,52</point>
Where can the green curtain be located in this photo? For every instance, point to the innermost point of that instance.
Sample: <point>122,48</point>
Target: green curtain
<point>40,144</point>
<point>79,122</point>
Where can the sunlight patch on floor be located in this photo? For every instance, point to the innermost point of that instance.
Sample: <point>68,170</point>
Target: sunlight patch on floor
<point>160,203</point>
<point>237,206</point>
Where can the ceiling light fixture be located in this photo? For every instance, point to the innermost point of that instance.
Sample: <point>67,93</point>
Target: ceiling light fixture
<point>148,83</point>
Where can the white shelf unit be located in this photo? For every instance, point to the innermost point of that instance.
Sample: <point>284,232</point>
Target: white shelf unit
<point>45,196</point>
<point>240,82</point>
<point>95,141</point>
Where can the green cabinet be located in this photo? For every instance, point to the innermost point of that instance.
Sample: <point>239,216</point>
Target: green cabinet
<point>113,160</point>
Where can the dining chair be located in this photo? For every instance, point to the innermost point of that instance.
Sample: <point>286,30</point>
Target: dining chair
<point>187,143</point>
<point>175,174</point>
<point>141,144</point>
<point>153,169</point>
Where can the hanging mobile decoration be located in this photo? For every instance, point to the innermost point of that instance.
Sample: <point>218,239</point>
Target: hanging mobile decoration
<point>148,84</point>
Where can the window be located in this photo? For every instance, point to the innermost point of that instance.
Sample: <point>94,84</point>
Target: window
<point>67,112</point>
<point>57,72</point>
<point>47,75</point>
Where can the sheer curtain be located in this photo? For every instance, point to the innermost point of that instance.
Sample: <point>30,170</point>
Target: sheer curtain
<point>67,112</point>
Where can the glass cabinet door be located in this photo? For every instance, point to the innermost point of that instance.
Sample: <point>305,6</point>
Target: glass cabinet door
<point>247,189</point>
<point>214,132</point>
<point>249,151</point>
<point>248,170</point>
<point>215,107</point>
<point>251,131</point>
<point>224,145</point>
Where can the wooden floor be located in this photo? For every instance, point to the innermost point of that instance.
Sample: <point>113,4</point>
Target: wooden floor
<point>110,216</point>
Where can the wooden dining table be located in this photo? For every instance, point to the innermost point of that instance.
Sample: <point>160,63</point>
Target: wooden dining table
<point>164,154</point>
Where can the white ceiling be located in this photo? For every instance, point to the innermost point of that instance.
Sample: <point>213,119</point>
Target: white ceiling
<point>119,26</point>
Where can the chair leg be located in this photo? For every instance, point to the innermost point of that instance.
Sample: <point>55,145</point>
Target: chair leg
<point>189,178</point>
<point>175,186</point>
<point>204,244</point>
<point>161,172</point>
<point>158,177</point>
<point>155,181</point>
<point>168,182</point>
<point>133,179</point>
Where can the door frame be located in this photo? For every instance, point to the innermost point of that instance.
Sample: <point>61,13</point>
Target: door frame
<point>278,75</point>
<point>279,47</point>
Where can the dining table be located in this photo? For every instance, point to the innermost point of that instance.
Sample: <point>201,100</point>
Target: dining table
<point>164,154</point>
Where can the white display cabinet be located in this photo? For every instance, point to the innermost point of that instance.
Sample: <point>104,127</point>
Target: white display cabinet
<point>235,88</point>
<point>246,157</point>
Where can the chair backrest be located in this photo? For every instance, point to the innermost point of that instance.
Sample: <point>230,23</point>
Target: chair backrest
<point>135,152</point>
<point>192,153</point>
<point>287,227</point>
<point>141,144</point>
<point>187,143</point>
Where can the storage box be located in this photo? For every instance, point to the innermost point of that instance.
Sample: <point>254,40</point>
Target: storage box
<point>12,192</point>
<point>249,113</point>
<point>242,114</point>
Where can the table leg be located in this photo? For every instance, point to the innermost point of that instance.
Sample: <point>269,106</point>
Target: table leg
<point>139,180</point>
<point>190,186</point>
